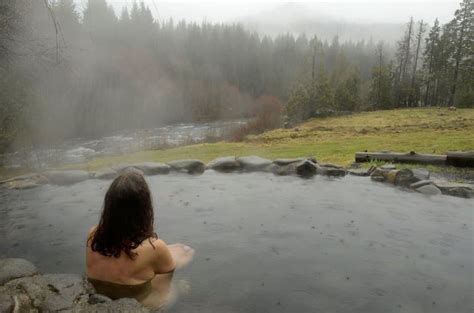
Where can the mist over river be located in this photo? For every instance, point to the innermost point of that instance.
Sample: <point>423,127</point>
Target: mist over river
<point>126,141</point>
<point>268,243</point>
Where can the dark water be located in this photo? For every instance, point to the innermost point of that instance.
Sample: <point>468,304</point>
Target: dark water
<point>274,244</point>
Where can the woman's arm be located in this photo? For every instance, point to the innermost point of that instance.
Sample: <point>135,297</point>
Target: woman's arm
<point>162,260</point>
<point>182,254</point>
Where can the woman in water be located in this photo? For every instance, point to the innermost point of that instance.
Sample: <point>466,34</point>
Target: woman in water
<point>125,258</point>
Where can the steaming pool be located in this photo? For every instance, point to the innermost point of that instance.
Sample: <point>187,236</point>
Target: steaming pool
<point>268,243</point>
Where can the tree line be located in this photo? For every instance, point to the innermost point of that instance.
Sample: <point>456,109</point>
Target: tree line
<point>427,67</point>
<point>66,73</point>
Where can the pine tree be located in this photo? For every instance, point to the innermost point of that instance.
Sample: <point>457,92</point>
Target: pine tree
<point>380,94</point>
<point>431,55</point>
<point>462,28</point>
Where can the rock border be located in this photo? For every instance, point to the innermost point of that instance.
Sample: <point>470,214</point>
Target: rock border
<point>23,289</point>
<point>417,179</point>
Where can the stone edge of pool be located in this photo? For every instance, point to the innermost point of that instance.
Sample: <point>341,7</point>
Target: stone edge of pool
<point>411,179</point>
<point>24,289</point>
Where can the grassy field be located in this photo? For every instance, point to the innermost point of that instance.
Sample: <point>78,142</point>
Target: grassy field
<point>333,139</point>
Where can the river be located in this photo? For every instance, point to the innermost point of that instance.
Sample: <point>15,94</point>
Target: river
<point>81,149</point>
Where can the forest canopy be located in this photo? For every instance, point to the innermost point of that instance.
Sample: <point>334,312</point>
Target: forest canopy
<point>66,73</point>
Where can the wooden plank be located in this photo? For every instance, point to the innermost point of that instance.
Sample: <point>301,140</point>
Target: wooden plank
<point>460,158</point>
<point>411,157</point>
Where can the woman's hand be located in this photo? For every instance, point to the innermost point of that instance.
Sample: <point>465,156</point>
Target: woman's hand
<point>182,254</point>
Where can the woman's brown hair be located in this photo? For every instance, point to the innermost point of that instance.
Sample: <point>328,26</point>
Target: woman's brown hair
<point>127,217</point>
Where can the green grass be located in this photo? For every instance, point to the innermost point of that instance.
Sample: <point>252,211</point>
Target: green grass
<point>333,139</point>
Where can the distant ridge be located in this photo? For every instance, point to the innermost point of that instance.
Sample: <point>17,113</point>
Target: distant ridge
<point>297,18</point>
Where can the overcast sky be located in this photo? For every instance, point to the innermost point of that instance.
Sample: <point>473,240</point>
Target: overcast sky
<point>350,10</point>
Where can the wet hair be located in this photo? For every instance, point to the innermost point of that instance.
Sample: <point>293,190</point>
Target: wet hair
<point>127,217</point>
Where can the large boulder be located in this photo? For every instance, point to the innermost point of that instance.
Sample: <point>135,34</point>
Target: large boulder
<point>51,292</point>
<point>15,268</point>
<point>66,177</point>
<point>405,178</point>
<point>391,176</point>
<point>283,162</point>
<point>7,303</point>
<point>27,181</point>
<point>105,173</point>
<point>429,190</point>
<point>330,171</point>
<point>224,164</point>
<point>306,168</point>
<point>379,174</point>
<point>253,163</point>
<point>421,174</point>
<point>361,171</point>
<point>421,183</point>
<point>455,189</point>
<point>124,168</point>
<point>189,166</point>
<point>152,168</point>
<point>282,170</point>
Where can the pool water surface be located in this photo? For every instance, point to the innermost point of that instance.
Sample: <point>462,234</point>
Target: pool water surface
<point>268,243</point>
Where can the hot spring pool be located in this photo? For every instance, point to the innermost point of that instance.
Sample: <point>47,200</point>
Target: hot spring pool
<point>267,243</point>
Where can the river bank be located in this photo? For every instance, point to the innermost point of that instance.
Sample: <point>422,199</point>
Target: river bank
<point>332,139</point>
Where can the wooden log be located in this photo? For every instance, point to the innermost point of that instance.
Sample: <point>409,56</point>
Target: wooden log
<point>460,159</point>
<point>411,157</point>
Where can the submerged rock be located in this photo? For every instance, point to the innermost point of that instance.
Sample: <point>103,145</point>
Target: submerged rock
<point>15,268</point>
<point>189,166</point>
<point>152,168</point>
<point>429,190</point>
<point>67,177</point>
<point>253,163</point>
<point>224,164</point>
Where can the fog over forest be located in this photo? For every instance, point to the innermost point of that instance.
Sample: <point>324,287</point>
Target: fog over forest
<point>89,68</point>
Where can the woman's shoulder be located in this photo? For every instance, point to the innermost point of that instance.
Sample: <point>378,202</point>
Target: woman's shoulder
<point>154,244</point>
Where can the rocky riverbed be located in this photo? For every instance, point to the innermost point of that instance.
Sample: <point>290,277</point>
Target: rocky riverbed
<point>411,179</point>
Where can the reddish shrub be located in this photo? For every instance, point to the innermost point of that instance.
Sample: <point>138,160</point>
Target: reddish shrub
<point>267,112</point>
